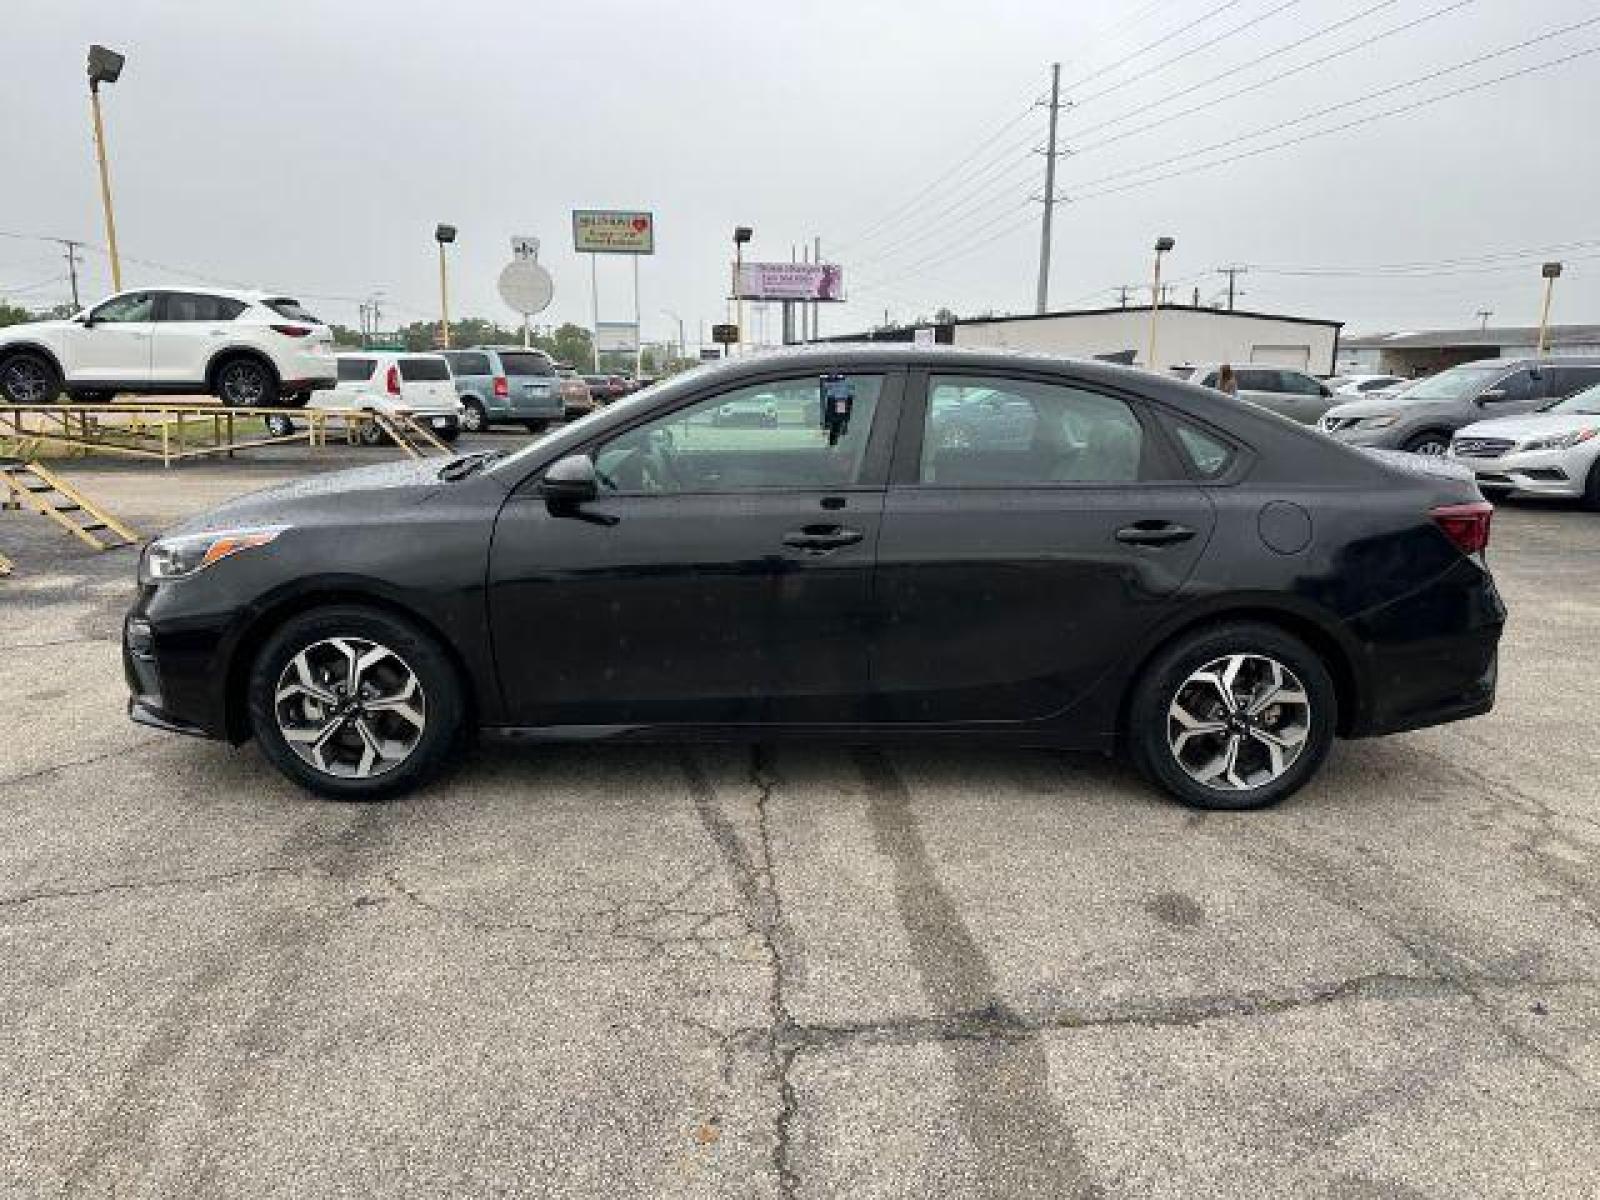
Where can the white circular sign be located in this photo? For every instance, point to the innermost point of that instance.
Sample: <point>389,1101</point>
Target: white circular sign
<point>526,287</point>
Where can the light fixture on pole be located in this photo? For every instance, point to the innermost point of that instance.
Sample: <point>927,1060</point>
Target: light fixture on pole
<point>1163,245</point>
<point>741,236</point>
<point>105,66</point>
<point>444,235</point>
<point>1551,272</point>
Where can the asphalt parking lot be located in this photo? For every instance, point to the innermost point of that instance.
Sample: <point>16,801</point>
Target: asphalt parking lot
<point>792,971</point>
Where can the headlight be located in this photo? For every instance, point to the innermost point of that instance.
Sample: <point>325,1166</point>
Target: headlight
<point>182,556</point>
<point>1560,441</point>
<point>1376,422</point>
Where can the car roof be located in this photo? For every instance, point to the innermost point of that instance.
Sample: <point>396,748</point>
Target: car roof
<point>504,349</point>
<point>1533,360</point>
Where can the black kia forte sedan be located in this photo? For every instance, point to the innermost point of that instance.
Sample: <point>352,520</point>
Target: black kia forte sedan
<point>1122,563</point>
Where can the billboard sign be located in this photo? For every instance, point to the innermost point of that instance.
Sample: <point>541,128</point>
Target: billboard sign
<point>610,231</point>
<point>616,337</point>
<point>725,335</point>
<point>791,281</point>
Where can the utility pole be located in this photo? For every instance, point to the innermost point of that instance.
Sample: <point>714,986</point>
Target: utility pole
<point>1042,302</point>
<point>1483,315</point>
<point>1232,273</point>
<point>72,268</point>
<point>1122,295</point>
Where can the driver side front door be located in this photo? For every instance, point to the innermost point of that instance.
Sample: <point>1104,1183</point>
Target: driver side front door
<point>115,348</point>
<point>723,576</point>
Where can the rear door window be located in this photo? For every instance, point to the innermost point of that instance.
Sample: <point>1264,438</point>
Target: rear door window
<point>1258,379</point>
<point>522,364</point>
<point>195,306</point>
<point>424,369</point>
<point>992,432</point>
<point>356,370</point>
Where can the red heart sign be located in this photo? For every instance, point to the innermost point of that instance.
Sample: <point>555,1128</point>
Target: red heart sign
<point>640,224</point>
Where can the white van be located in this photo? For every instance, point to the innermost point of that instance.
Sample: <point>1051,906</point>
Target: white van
<point>389,381</point>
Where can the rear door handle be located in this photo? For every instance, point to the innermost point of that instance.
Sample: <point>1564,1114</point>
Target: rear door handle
<point>819,539</point>
<point>1154,533</point>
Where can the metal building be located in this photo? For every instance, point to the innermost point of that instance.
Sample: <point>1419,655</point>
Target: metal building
<point>1409,354</point>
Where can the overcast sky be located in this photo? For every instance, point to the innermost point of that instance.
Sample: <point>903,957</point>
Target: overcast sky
<point>312,148</point>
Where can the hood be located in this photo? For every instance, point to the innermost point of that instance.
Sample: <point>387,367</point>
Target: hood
<point>363,492</point>
<point>1530,425</point>
<point>33,330</point>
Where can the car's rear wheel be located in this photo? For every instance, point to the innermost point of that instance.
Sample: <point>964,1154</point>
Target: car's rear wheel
<point>1430,443</point>
<point>1234,716</point>
<point>473,418</point>
<point>371,433</point>
<point>354,703</point>
<point>280,424</point>
<point>536,426</point>
<point>29,378</point>
<point>245,382</point>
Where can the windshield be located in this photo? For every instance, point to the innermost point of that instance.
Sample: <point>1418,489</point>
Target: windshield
<point>1585,403</point>
<point>1458,383</point>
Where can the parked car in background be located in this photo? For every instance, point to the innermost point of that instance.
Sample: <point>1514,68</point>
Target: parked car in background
<point>1356,386</point>
<point>576,399</point>
<point>1155,570</point>
<point>1292,393</point>
<point>393,383</point>
<point>1423,416</point>
<point>606,388</point>
<point>759,409</point>
<point>502,385</point>
<point>249,349</point>
<point>1552,452</point>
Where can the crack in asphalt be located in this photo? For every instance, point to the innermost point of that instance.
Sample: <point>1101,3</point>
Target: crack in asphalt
<point>90,760</point>
<point>133,885</point>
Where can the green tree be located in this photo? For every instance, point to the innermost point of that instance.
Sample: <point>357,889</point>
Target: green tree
<point>11,314</point>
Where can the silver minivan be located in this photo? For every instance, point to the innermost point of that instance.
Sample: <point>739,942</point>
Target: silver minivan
<point>506,385</point>
<point>1287,391</point>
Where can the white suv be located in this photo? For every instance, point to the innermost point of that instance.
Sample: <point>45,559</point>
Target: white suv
<point>253,349</point>
<point>420,385</point>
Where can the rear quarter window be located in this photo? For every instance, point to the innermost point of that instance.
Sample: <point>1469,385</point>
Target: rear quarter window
<point>290,309</point>
<point>424,370</point>
<point>354,370</point>
<point>1208,454</point>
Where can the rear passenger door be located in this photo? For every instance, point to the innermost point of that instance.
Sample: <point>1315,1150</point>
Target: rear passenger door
<point>1020,559</point>
<point>189,328</point>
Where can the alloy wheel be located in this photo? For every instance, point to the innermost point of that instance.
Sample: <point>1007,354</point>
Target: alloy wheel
<point>350,708</point>
<point>1239,723</point>
<point>243,384</point>
<point>1429,447</point>
<point>27,381</point>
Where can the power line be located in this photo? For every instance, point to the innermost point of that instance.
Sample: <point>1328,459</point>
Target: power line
<point>1332,108</point>
<point>1215,11</point>
<point>1430,266</point>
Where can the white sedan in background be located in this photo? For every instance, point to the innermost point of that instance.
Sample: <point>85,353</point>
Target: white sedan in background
<point>1552,452</point>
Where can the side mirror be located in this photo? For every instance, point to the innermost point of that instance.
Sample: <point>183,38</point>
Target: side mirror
<point>570,481</point>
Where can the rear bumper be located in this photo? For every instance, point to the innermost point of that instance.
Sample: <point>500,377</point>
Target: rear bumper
<point>309,383</point>
<point>1430,657</point>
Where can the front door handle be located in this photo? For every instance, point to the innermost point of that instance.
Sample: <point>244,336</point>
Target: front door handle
<point>1154,533</point>
<point>819,539</point>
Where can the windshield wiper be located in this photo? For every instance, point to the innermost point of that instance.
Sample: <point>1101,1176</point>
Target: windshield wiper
<point>468,464</point>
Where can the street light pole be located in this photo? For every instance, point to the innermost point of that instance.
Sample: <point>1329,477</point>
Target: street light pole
<point>683,346</point>
<point>1162,246</point>
<point>741,235</point>
<point>444,235</point>
<point>1551,272</point>
<point>105,66</point>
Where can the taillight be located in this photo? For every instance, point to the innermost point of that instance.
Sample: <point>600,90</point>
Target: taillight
<point>1467,525</point>
<point>501,387</point>
<point>292,330</point>
<point>393,381</point>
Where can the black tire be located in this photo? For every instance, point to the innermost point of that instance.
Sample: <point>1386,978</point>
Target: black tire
<point>280,425</point>
<point>1431,443</point>
<point>536,426</point>
<point>371,433</point>
<point>1591,491</point>
<point>473,418</point>
<point>448,434</point>
<point>29,378</point>
<point>1166,680</point>
<point>442,706</point>
<point>244,381</point>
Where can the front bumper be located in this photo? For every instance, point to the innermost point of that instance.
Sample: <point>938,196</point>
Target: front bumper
<point>176,677</point>
<point>1532,472</point>
<point>1387,438</point>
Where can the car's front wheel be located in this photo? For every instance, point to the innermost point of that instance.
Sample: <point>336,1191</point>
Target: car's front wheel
<point>28,378</point>
<point>354,703</point>
<point>1234,716</point>
<point>1430,443</point>
<point>246,383</point>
